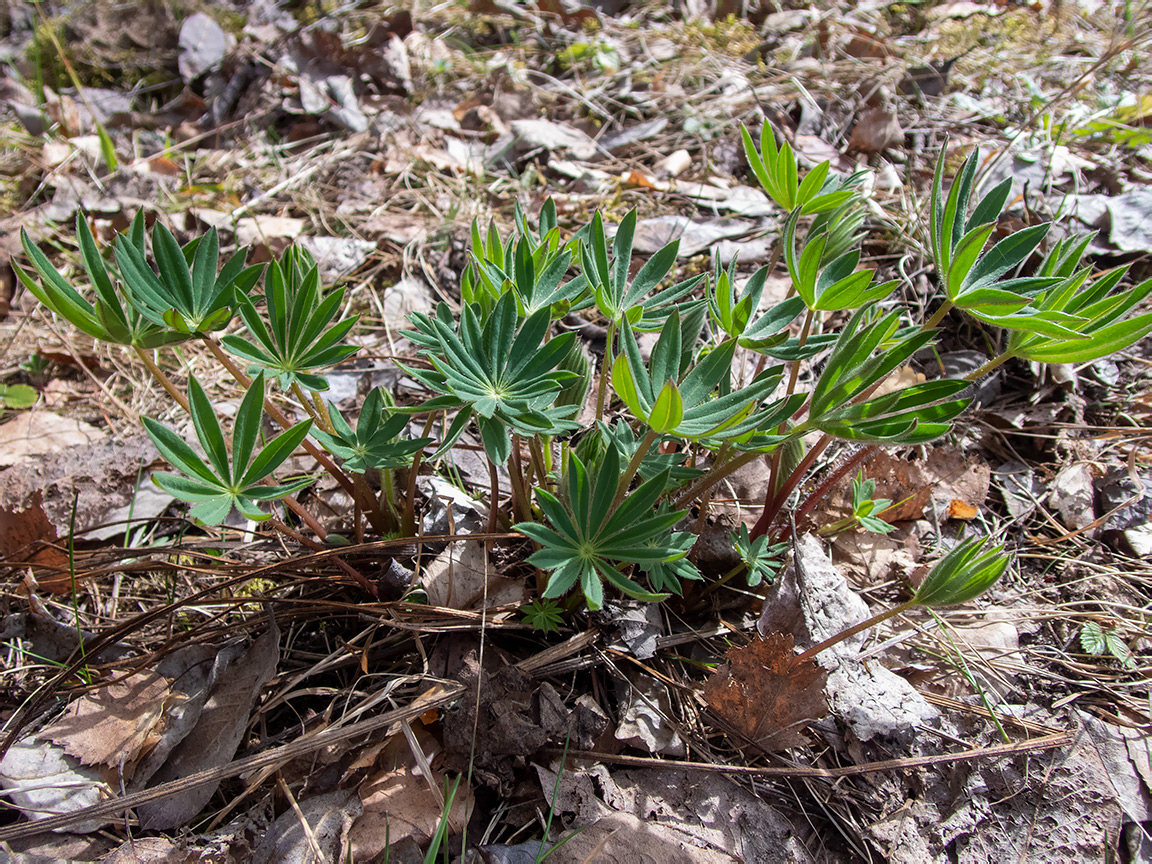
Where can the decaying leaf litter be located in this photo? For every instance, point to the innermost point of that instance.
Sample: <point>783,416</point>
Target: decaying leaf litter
<point>318,722</point>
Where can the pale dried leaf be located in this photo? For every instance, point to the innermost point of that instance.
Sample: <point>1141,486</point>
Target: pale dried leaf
<point>398,804</point>
<point>646,709</point>
<point>203,44</point>
<point>328,817</point>
<point>110,725</point>
<point>38,432</point>
<point>42,781</point>
<point>217,734</point>
<point>457,577</point>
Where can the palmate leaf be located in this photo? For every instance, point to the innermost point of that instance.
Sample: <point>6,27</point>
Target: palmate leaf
<point>215,487</point>
<point>685,402</point>
<point>107,317</point>
<point>497,372</point>
<point>589,543</point>
<point>375,443</point>
<point>1090,312</point>
<point>297,343</point>
<point>828,286</point>
<point>618,298</point>
<point>187,294</point>
<point>777,171</point>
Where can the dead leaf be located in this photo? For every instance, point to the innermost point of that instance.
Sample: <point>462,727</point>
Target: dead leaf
<point>43,781</point>
<point>110,725</point>
<point>328,817</point>
<point>398,802</point>
<point>553,136</point>
<point>766,694</point>
<point>37,432</point>
<point>27,535</point>
<point>457,578</point>
<point>961,510</point>
<point>337,256</point>
<point>203,44</point>
<point>622,838</point>
<point>253,229</point>
<point>695,237</point>
<point>217,735</point>
<point>646,709</point>
<point>876,130</point>
<point>151,850</point>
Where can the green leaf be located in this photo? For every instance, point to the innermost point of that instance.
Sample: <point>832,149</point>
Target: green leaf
<point>1092,639</point>
<point>588,543</point>
<point>208,430</point>
<point>278,450</point>
<point>668,410</point>
<point>963,574</point>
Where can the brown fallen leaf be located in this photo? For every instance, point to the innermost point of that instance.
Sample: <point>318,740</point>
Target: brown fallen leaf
<point>766,695</point>
<point>110,725</point>
<point>217,734</point>
<point>876,130</point>
<point>398,802</point>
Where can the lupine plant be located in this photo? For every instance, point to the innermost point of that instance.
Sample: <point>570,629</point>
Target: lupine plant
<point>604,491</point>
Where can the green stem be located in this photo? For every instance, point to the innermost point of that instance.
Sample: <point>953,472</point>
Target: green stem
<point>931,323</point>
<point>853,630</point>
<point>320,418</point>
<point>281,419</point>
<point>774,470</point>
<point>494,493</point>
<point>163,379</point>
<point>605,371</point>
<point>994,363</point>
<point>633,466</point>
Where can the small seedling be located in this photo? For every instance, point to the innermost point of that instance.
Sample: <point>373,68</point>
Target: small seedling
<point>1097,641</point>
<point>543,615</point>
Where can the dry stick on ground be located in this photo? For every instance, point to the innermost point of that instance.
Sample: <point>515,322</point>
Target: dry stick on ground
<point>442,694</point>
<point>1046,742</point>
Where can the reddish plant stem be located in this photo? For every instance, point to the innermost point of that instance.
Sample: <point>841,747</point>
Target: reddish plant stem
<point>853,630</point>
<point>821,492</point>
<point>773,504</point>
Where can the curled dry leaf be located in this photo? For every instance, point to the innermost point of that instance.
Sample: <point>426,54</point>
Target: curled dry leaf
<point>766,694</point>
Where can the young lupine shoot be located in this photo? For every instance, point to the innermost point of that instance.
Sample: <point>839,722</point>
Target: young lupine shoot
<point>761,559</point>
<point>106,318</point>
<point>972,277</point>
<point>864,355</point>
<point>779,176</point>
<point>832,286</point>
<point>962,575</point>
<point>865,507</point>
<point>1100,326</point>
<point>616,297</point>
<point>186,293</point>
<point>496,372</point>
<point>215,487</point>
<point>590,543</point>
<point>376,441</point>
<point>683,403</point>
<point>294,344</point>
